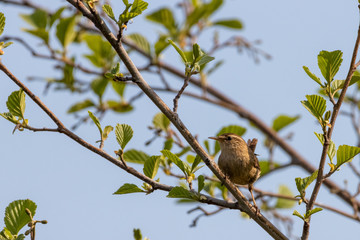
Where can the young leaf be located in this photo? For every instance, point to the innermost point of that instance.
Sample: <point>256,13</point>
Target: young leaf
<point>123,133</point>
<point>168,144</point>
<point>96,121</point>
<point>312,76</point>
<point>312,211</point>
<point>303,183</point>
<point>181,53</point>
<point>204,59</point>
<point>16,217</point>
<point>137,234</point>
<point>160,121</point>
<point>345,154</point>
<point>56,16</point>
<point>175,159</point>
<point>331,150</point>
<point>8,116</point>
<point>230,23</point>
<point>282,121</point>
<point>329,63</point>
<point>37,19</point>
<point>265,166</point>
<point>135,156</point>
<point>80,106</point>
<point>195,163</point>
<point>2,22</point>
<point>99,85</point>
<point>180,192</point>
<point>296,213</point>
<point>165,17</point>
<point>285,203</point>
<point>151,166</point>
<point>119,88</point>
<point>108,10</point>
<point>65,31</point>
<point>106,132</point>
<point>128,188</point>
<point>201,184</point>
<point>141,42</point>
<point>16,103</point>
<point>316,105</point>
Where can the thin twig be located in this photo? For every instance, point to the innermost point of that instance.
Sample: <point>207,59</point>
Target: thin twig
<point>177,97</point>
<point>204,213</point>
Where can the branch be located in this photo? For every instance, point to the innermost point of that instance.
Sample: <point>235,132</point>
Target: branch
<point>242,201</point>
<point>336,108</point>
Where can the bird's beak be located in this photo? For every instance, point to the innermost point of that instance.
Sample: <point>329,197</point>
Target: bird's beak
<point>215,138</point>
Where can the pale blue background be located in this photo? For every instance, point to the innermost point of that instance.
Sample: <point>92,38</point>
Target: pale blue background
<point>73,187</point>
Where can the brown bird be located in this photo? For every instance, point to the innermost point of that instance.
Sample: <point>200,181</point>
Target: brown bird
<point>238,161</point>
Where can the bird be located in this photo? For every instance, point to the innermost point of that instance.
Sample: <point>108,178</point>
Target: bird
<point>238,161</point>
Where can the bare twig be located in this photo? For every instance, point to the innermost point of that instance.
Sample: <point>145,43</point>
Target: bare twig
<point>204,213</point>
<point>177,97</point>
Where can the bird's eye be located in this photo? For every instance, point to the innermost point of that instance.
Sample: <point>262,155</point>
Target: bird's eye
<point>228,138</point>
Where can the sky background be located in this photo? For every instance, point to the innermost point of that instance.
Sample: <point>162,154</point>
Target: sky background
<point>73,187</point>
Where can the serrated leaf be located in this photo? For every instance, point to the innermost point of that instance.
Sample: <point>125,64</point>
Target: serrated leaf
<point>160,121</point>
<point>16,217</point>
<point>312,76</point>
<point>99,85</point>
<point>303,183</point>
<point>8,116</point>
<point>345,154</point>
<point>106,132</point>
<point>195,163</point>
<point>135,156</point>
<point>312,211</point>
<point>96,121</point>
<point>181,53</point>
<point>296,213</point>
<point>230,23</point>
<point>316,105</point>
<point>180,192</point>
<point>16,103</point>
<point>2,22</point>
<point>37,19</point>
<point>176,160</point>
<point>65,30</point>
<point>123,133</point>
<point>282,121</point>
<point>151,166</point>
<point>137,234</point>
<point>108,10</point>
<point>165,17</point>
<point>128,188</point>
<point>141,42</point>
<point>80,106</point>
<point>201,180</point>
<point>329,63</point>
<point>238,130</point>
<point>285,203</point>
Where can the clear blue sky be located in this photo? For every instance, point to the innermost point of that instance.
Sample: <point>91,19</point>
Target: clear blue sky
<point>73,187</point>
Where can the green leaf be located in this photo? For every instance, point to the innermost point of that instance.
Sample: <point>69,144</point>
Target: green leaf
<point>40,33</point>
<point>205,59</point>
<point>2,22</point>
<point>230,23</point>
<point>312,211</point>
<point>37,19</point>
<point>121,107</point>
<point>332,148</point>
<point>195,163</point>
<point>102,53</point>
<point>65,31</point>
<point>8,116</point>
<point>108,10</point>
<point>165,17</point>
<point>312,76</point>
<point>106,132</point>
<point>16,103</point>
<point>96,121</point>
<point>135,156</point>
<point>176,160</point>
<point>128,188</point>
<point>160,121</point>
<point>345,154</point>
<point>80,106</point>
<point>151,166</point>
<point>202,11</point>
<point>180,192</point>
<point>201,184</point>
<point>119,88</point>
<point>56,16</point>
<point>181,53</point>
<point>265,166</point>
<point>161,44</point>
<point>123,133</point>
<point>303,183</point>
<point>282,121</point>
<point>16,217</point>
<point>285,203</point>
<point>238,130</point>
<point>337,85</point>
<point>329,63</point>
<point>99,85</point>
<point>296,213</point>
<point>137,234</point>
<point>141,42</point>
<point>168,144</point>
<point>136,9</point>
<point>316,105</point>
